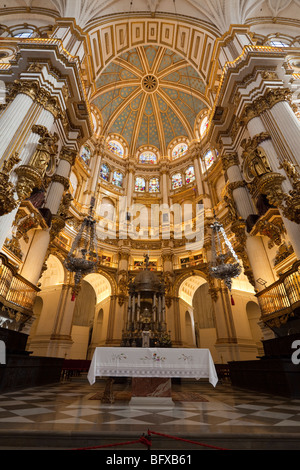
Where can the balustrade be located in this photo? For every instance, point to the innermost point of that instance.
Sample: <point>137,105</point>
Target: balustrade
<point>14,288</point>
<point>283,296</point>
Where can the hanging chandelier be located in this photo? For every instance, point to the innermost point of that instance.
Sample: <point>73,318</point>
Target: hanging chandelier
<point>82,259</point>
<point>219,268</point>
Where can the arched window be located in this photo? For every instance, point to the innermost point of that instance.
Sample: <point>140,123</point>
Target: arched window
<point>179,150</point>
<point>117,179</point>
<point>73,183</point>
<point>203,126</point>
<point>140,185</point>
<point>209,159</point>
<point>116,148</point>
<point>190,175</point>
<point>148,157</point>
<point>85,154</point>
<point>154,185</point>
<point>177,181</point>
<point>104,172</point>
<point>26,33</point>
<point>278,43</point>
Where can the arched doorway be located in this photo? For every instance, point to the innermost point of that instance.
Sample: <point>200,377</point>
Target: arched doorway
<point>196,313</point>
<point>90,319</point>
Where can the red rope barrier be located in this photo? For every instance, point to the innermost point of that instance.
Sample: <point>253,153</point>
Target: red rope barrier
<point>141,440</point>
<point>185,440</point>
<point>147,442</point>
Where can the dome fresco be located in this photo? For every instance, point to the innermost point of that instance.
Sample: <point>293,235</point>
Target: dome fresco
<point>149,95</point>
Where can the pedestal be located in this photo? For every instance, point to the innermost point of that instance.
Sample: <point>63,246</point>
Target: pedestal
<point>151,391</point>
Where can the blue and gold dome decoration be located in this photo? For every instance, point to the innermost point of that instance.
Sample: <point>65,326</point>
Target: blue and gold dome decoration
<point>149,95</point>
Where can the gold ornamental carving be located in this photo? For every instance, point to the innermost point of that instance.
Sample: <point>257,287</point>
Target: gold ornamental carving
<point>291,208</point>
<point>28,179</point>
<point>255,161</point>
<point>68,155</point>
<point>261,104</point>
<point>269,184</point>
<point>31,176</point>
<point>38,94</point>
<point>271,229</point>
<point>233,215</point>
<point>229,160</point>
<point>46,149</point>
<point>238,227</point>
<point>62,180</point>
<point>7,200</point>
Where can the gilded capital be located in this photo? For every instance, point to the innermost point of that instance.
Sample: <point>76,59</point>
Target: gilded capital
<point>267,101</point>
<point>68,154</point>
<point>62,180</point>
<point>229,160</point>
<point>38,94</point>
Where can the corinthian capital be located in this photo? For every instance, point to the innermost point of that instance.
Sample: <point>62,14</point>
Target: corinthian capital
<point>229,160</point>
<point>68,154</point>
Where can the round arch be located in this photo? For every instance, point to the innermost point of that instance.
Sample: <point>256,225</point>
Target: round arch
<point>188,283</point>
<point>55,273</point>
<point>193,41</point>
<point>101,285</point>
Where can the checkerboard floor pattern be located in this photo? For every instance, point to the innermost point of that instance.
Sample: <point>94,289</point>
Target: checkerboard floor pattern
<point>67,407</point>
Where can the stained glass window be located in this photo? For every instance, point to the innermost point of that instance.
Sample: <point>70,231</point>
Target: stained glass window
<point>104,172</point>
<point>148,157</point>
<point>154,185</point>
<point>203,126</point>
<point>179,150</point>
<point>116,148</point>
<point>208,160</point>
<point>117,179</point>
<point>176,181</point>
<point>140,184</point>
<point>190,175</point>
<point>85,154</point>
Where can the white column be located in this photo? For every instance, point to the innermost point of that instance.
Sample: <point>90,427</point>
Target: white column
<point>198,176</point>
<point>165,187</point>
<point>255,248</point>
<point>288,127</point>
<point>129,186</point>
<point>12,118</point>
<point>34,260</point>
<point>57,189</point>
<point>45,119</point>
<point>256,126</point>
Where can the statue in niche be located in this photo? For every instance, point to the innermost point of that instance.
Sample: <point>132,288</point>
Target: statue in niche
<point>258,164</point>
<point>46,148</point>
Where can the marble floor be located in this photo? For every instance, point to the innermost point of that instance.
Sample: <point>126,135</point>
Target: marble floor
<point>67,415</point>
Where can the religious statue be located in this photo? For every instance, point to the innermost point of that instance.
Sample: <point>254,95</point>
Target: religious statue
<point>46,148</point>
<point>259,165</point>
<point>146,260</point>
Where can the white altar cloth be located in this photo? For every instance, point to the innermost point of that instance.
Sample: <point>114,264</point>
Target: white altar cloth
<point>152,362</point>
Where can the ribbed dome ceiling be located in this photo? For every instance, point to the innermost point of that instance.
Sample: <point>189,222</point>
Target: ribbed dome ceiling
<point>149,96</point>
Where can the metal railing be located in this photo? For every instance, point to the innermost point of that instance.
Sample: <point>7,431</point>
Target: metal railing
<point>14,288</point>
<point>282,296</point>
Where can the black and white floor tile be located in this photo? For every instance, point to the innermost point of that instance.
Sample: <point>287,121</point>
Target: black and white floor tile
<point>68,407</point>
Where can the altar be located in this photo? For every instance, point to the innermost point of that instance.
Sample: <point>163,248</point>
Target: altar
<point>152,369</point>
